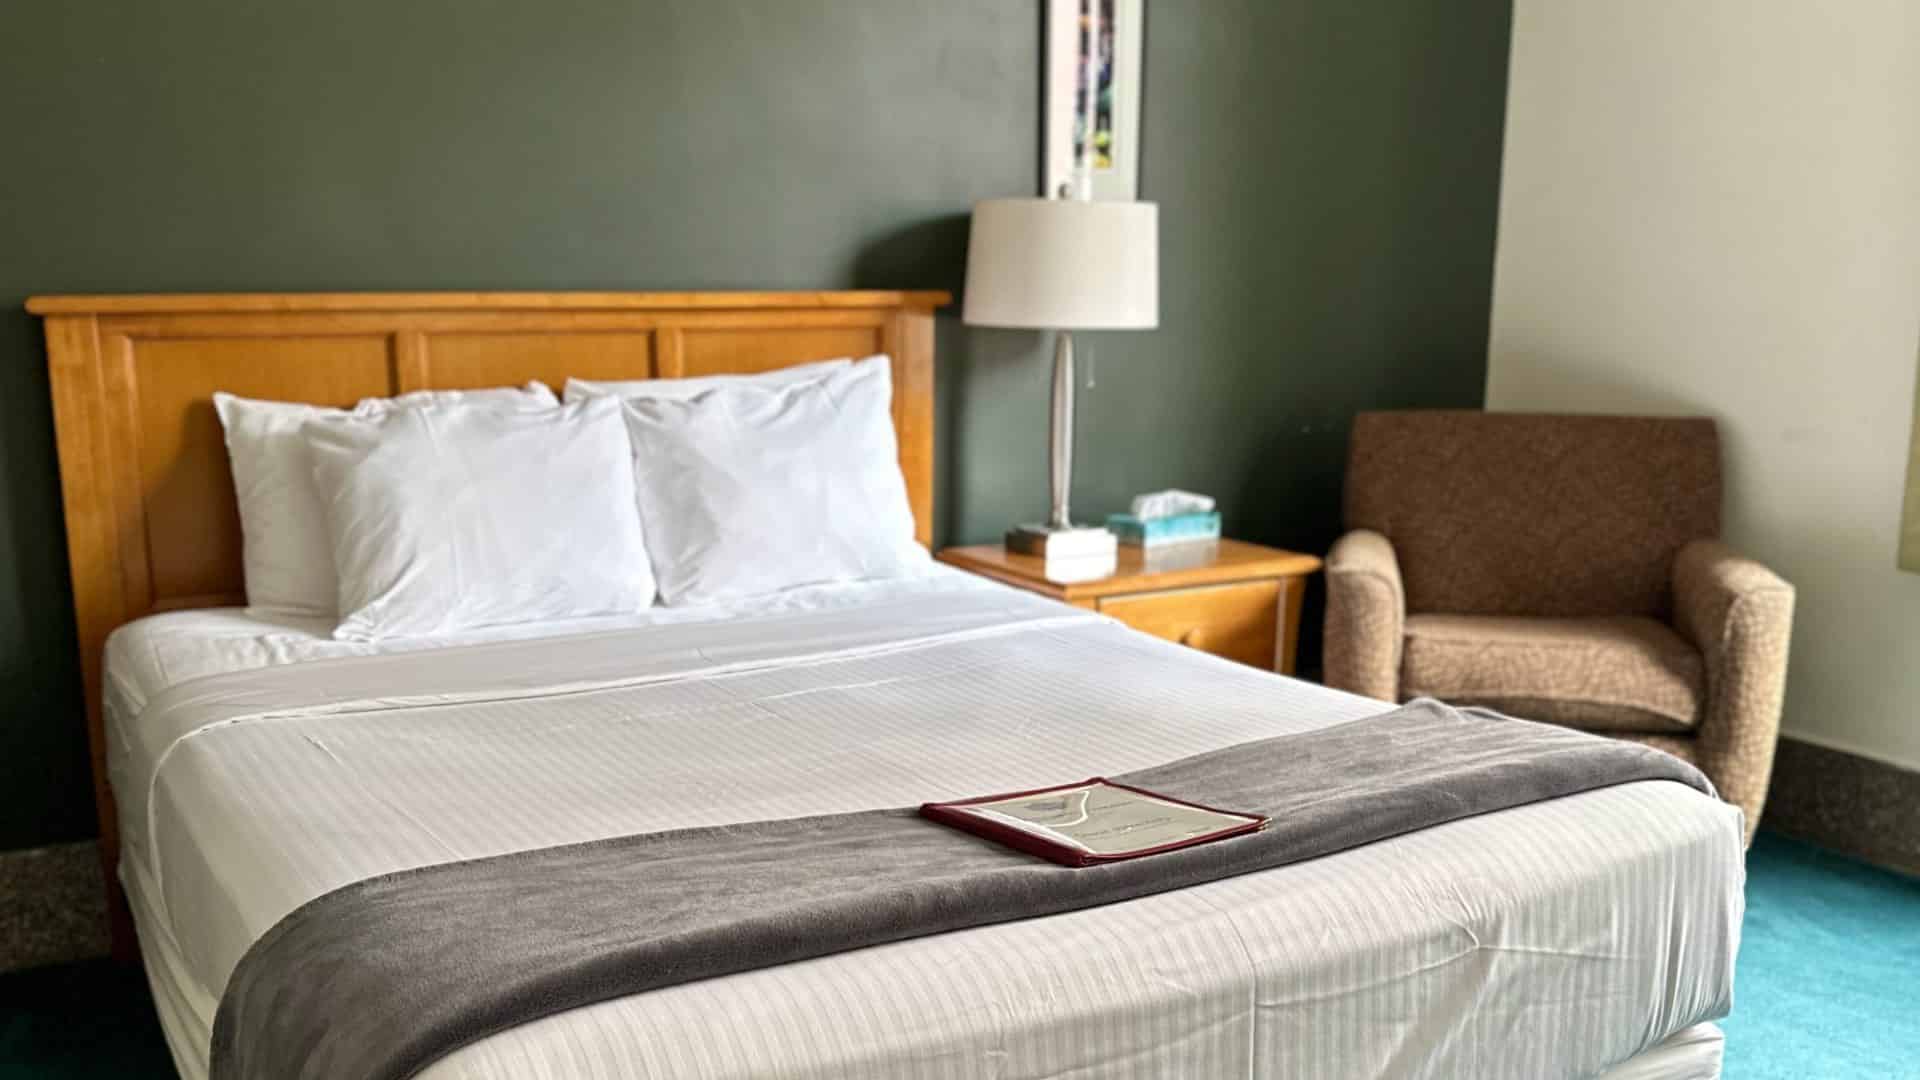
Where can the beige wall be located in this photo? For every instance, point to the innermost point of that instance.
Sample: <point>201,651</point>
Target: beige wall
<point>1713,206</point>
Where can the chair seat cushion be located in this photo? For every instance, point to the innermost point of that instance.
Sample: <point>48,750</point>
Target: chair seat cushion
<point>1611,673</point>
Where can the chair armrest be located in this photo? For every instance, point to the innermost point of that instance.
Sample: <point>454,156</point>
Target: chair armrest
<point>1366,616</point>
<point>1739,615</point>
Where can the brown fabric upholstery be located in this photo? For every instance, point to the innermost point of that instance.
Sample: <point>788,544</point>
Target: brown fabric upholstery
<point>1362,652</point>
<point>1558,520</point>
<point>1606,673</point>
<point>1524,514</point>
<point>1740,615</point>
<point>1683,748</point>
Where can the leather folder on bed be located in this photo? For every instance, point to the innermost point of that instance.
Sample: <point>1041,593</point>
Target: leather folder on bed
<point>1094,821</point>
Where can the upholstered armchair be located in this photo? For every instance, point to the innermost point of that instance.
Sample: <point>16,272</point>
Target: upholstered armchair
<point>1564,569</point>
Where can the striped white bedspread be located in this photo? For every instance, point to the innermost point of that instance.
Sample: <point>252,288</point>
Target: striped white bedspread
<point>1553,940</point>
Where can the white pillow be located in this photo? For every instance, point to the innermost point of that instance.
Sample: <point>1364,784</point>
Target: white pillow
<point>288,563</point>
<point>748,490</point>
<point>449,517</point>
<point>681,389</point>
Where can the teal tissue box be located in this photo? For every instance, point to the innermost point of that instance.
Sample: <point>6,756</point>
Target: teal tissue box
<point>1178,529</point>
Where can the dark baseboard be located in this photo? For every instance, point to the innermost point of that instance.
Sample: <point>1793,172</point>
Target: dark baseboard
<point>52,906</point>
<point>1846,803</point>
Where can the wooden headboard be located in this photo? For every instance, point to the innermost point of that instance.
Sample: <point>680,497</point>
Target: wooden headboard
<point>151,518</point>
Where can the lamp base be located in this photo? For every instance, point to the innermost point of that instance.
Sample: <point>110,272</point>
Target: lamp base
<point>1069,542</point>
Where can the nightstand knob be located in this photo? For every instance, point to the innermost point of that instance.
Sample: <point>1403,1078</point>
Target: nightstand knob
<point>1194,638</point>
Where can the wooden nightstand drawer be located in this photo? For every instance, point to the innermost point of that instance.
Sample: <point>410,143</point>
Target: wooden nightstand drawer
<point>1232,599</point>
<point>1239,622</point>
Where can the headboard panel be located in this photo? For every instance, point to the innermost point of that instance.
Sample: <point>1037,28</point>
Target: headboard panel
<point>151,517</point>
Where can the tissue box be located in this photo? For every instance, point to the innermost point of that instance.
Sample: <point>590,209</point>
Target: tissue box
<point>1154,532</point>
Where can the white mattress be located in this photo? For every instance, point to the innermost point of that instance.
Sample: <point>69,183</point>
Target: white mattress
<point>1552,940</point>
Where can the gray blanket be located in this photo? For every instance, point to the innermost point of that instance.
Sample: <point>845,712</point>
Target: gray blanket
<point>382,977</point>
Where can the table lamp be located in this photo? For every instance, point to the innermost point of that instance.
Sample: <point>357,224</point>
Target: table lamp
<point>1062,265</point>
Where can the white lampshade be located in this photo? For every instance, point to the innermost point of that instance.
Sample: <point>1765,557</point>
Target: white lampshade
<point>1064,264</point>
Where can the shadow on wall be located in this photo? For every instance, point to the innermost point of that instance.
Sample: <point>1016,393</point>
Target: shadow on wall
<point>1582,385</point>
<point>929,254</point>
<point>990,384</point>
<point>39,668</point>
<point>1581,380</point>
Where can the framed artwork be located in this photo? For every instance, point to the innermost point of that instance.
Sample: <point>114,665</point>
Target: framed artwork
<point>1092,120</point>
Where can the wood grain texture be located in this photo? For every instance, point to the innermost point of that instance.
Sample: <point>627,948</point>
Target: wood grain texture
<point>1182,566</point>
<point>1229,598</point>
<point>223,303</point>
<point>1287,654</point>
<point>1237,621</point>
<point>152,523</point>
<point>89,493</point>
<point>471,361</point>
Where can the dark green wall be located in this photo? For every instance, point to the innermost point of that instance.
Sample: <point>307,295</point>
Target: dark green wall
<point>1327,175</point>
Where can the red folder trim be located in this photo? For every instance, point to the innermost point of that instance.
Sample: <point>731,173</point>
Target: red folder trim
<point>951,813</point>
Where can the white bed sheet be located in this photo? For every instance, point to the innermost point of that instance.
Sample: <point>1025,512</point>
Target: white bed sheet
<point>151,654</point>
<point>1556,939</point>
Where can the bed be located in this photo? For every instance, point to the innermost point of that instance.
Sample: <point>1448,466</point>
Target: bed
<point>1590,935</point>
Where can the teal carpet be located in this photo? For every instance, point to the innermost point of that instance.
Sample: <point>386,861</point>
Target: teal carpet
<point>1829,986</point>
<point>1828,982</point>
<point>91,1020</point>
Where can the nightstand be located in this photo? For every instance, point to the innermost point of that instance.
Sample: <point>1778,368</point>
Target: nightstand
<point>1237,600</point>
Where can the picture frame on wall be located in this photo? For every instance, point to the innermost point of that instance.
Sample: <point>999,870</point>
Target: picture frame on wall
<point>1093,131</point>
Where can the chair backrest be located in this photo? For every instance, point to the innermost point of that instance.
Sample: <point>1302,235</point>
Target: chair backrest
<point>1534,514</point>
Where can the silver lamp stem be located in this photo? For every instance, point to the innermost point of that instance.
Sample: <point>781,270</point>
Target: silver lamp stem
<point>1060,431</point>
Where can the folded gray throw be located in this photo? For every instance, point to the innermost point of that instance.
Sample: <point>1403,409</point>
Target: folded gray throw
<point>380,978</point>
